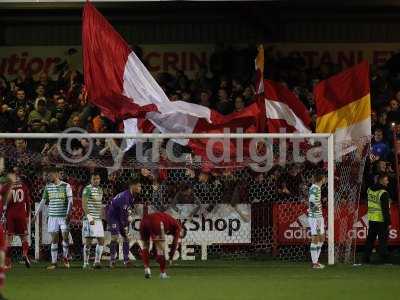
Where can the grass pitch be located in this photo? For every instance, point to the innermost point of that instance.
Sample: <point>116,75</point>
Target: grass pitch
<point>219,280</point>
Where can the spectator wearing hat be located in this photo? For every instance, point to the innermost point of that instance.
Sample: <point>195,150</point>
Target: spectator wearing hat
<point>40,117</point>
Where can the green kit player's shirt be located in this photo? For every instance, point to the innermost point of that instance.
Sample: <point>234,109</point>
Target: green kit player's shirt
<point>57,197</point>
<point>94,196</point>
<point>314,202</point>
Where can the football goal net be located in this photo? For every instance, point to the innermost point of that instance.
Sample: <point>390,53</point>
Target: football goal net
<point>237,195</point>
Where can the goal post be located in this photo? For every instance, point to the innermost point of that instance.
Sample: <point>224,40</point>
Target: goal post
<point>266,224</point>
<point>331,200</point>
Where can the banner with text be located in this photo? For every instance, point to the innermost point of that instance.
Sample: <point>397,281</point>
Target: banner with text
<point>189,57</point>
<point>342,54</point>
<point>52,59</point>
<point>225,224</point>
<point>291,224</point>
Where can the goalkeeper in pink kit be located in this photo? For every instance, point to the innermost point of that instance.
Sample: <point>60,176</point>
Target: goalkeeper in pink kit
<point>155,226</point>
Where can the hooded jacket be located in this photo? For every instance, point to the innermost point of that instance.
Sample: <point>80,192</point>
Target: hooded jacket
<point>35,115</point>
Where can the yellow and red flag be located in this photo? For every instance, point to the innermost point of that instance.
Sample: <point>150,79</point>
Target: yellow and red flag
<point>343,104</point>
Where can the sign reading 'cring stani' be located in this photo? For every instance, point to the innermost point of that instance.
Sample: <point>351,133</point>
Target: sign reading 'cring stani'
<point>190,57</point>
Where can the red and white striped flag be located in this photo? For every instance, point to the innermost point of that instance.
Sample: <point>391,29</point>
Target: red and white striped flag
<point>115,78</point>
<point>244,121</point>
<point>121,86</point>
<point>284,111</point>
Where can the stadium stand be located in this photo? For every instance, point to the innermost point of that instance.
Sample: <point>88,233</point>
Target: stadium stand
<point>46,105</point>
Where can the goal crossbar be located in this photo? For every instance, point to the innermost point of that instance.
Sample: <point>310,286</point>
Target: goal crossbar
<point>161,135</point>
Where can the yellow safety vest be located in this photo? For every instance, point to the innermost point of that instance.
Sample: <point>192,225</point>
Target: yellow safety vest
<point>374,205</point>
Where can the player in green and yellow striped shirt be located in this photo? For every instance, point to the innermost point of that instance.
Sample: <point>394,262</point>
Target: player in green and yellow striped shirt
<point>58,196</point>
<point>92,203</point>
<point>316,219</point>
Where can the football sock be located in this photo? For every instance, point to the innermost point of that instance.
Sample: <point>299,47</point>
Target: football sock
<point>113,250</point>
<point>8,256</point>
<point>25,248</point>
<point>99,253</point>
<point>65,246</point>
<point>8,261</point>
<point>161,260</point>
<point>54,253</point>
<point>319,250</point>
<point>314,253</point>
<point>145,258</point>
<point>125,250</point>
<point>86,254</point>
<point>2,277</point>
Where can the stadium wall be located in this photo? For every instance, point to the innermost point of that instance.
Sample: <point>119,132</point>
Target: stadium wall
<point>67,34</point>
<point>175,22</point>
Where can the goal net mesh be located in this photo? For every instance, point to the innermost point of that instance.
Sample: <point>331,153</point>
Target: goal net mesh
<point>231,210</point>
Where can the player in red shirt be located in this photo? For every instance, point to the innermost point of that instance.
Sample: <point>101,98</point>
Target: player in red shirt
<point>18,211</point>
<point>5,183</point>
<point>155,226</point>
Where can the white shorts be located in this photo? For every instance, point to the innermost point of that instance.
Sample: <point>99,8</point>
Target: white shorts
<point>93,231</point>
<point>317,225</point>
<point>55,224</point>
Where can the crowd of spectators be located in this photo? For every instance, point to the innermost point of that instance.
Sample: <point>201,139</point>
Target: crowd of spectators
<point>226,84</point>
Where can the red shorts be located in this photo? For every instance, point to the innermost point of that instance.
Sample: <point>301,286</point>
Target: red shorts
<point>150,228</point>
<point>17,224</point>
<point>3,240</point>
